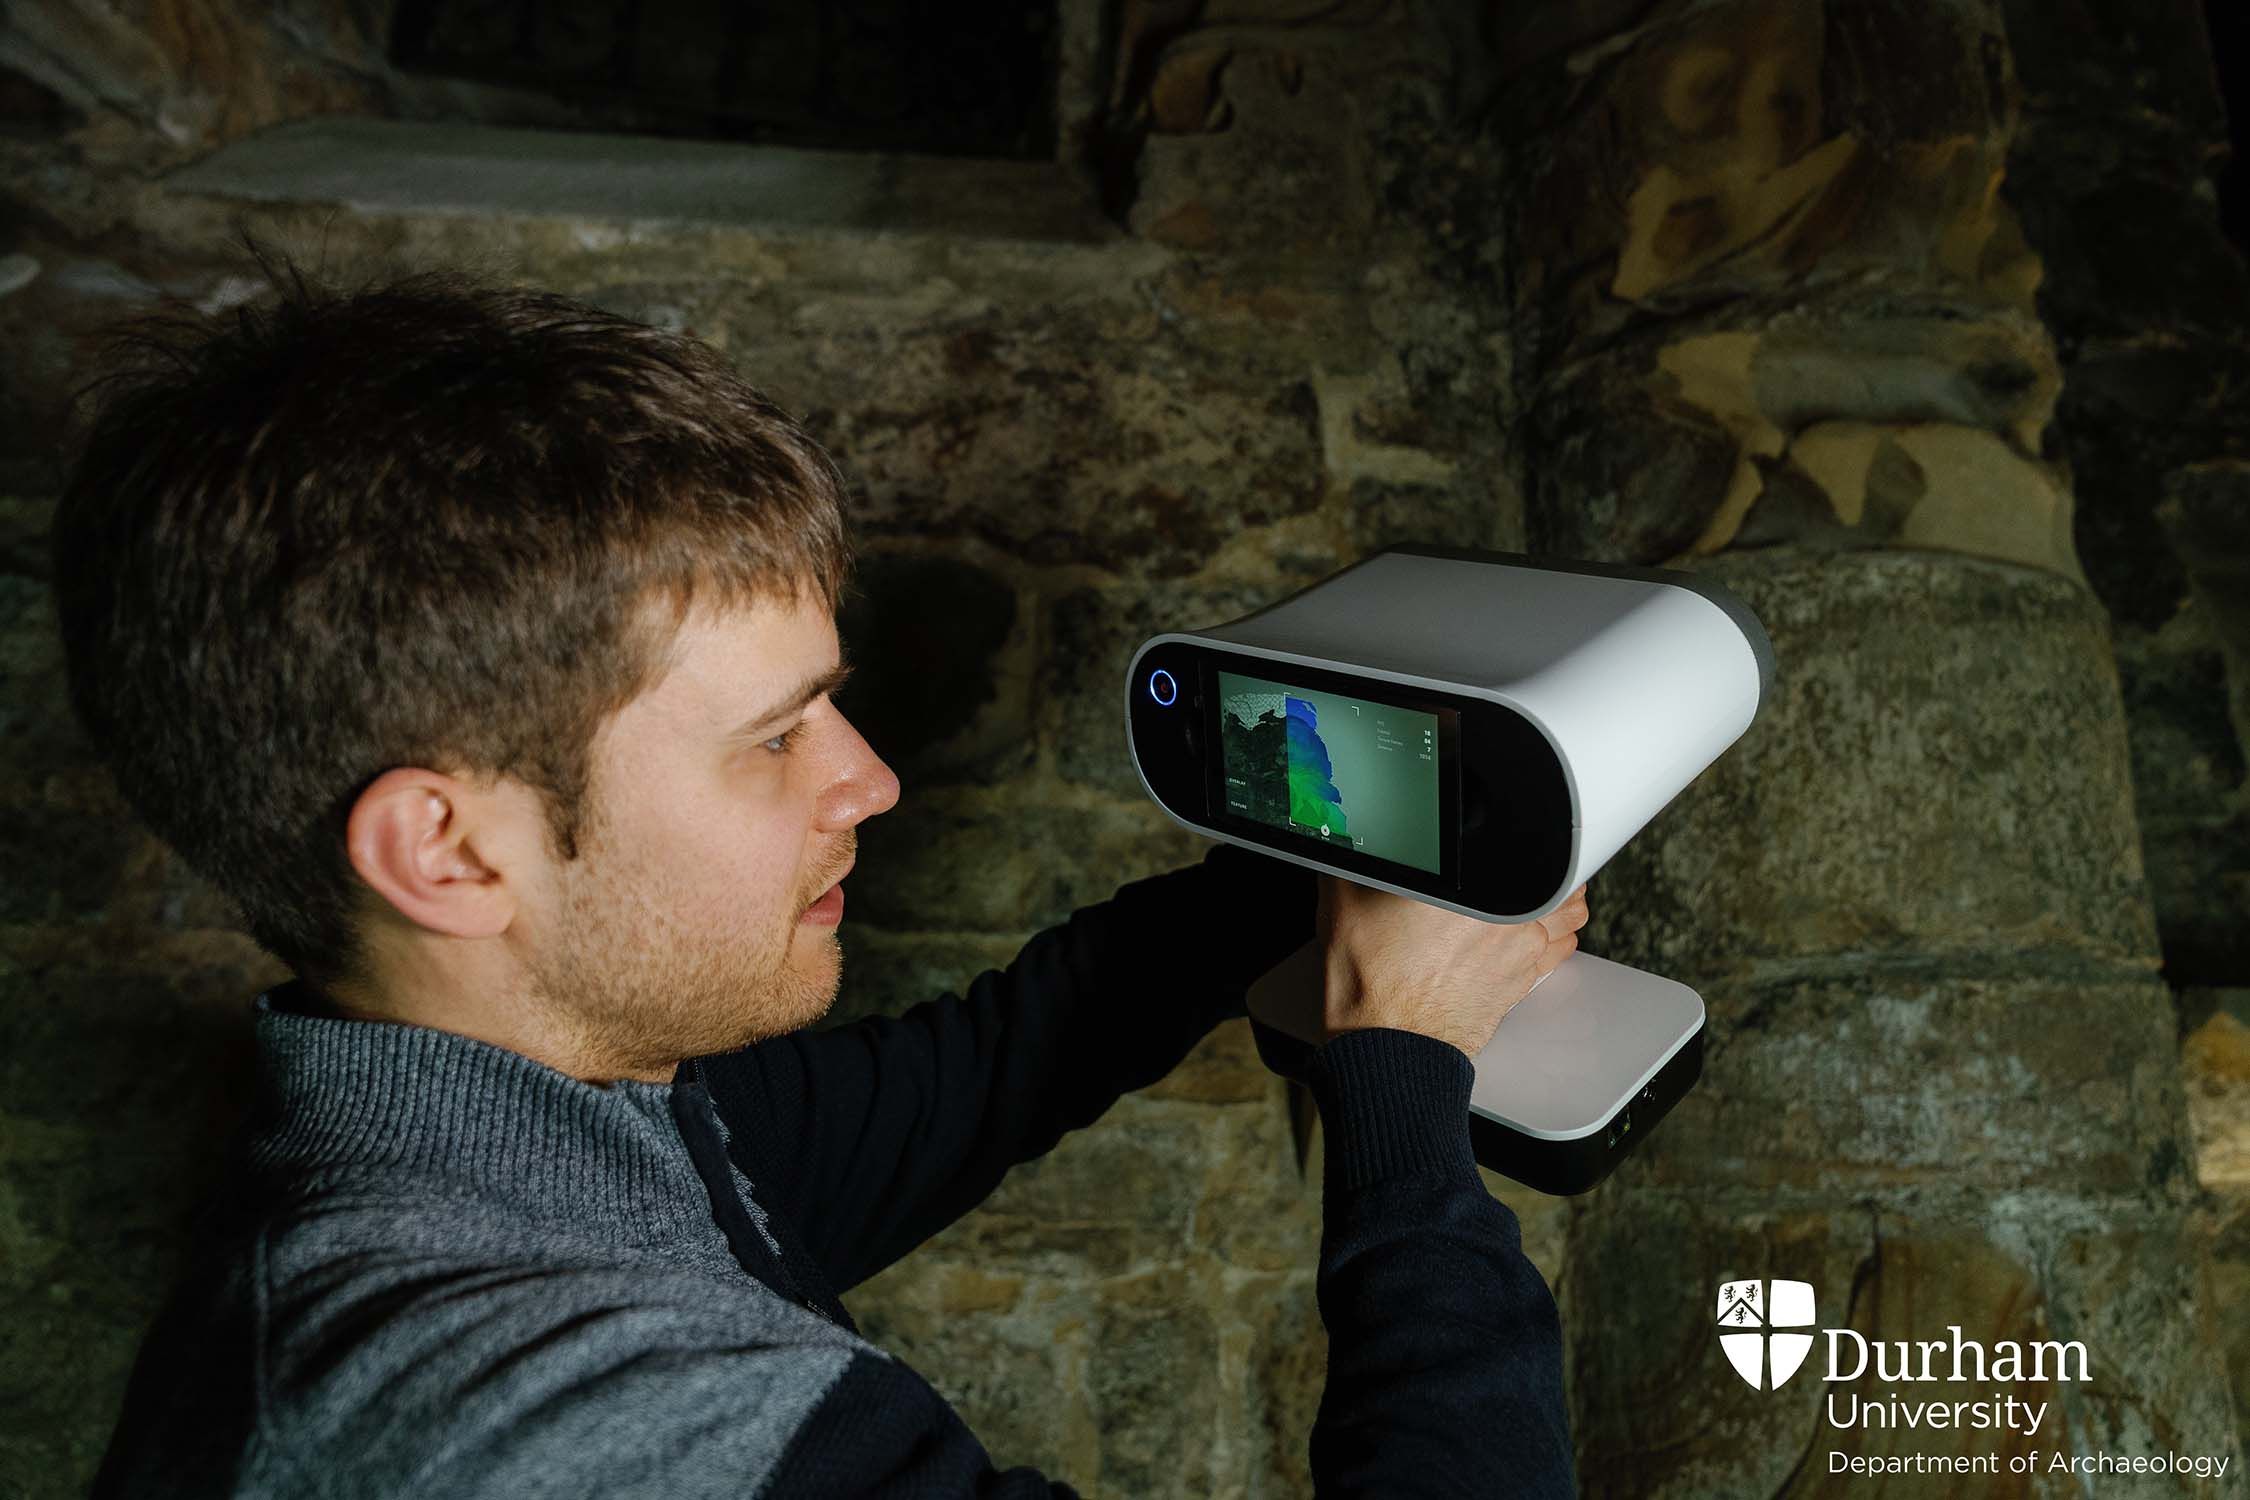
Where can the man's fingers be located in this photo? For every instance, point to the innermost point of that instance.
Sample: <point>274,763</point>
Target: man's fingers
<point>1568,917</point>
<point>1554,953</point>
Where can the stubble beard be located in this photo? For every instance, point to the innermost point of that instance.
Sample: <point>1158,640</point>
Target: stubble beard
<point>643,991</point>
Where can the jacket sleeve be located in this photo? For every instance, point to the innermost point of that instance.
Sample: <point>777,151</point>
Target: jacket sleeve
<point>1444,1343</point>
<point>875,1135</point>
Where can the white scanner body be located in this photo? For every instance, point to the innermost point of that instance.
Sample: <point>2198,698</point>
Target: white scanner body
<point>1568,702</point>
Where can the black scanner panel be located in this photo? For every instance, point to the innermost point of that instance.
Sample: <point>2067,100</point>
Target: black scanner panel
<point>1505,818</point>
<point>1516,815</point>
<point>1164,715</point>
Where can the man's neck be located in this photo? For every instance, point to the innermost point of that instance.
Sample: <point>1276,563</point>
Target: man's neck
<point>348,1000</point>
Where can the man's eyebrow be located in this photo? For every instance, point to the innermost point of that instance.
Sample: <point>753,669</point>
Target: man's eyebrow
<point>813,687</point>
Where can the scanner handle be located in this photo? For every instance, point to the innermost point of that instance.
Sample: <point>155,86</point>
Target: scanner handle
<point>1288,1004</point>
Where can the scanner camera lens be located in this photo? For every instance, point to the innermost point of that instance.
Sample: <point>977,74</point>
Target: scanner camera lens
<point>1162,688</point>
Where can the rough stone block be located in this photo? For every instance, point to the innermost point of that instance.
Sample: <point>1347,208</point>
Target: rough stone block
<point>124,1071</point>
<point>1093,635</point>
<point>452,167</point>
<point>1224,1068</point>
<point>38,733</point>
<point>1623,471</point>
<point>1255,149</point>
<point>1059,439</point>
<point>2215,1071</point>
<point>941,687</point>
<point>1118,1197</point>
<point>25,522</point>
<point>2199,880</point>
<point>2105,205</point>
<point>1007,1353</point>
<point>1469,511</point>
<point>1152,1373</point>
<point>65,867</point>
<point>2187,755</point>
<point>77,853</point>
<point>1942,768</point>
<point>1284,1369</point>
<point>2228,1304</point>
<point>2117,62</point>
<point>2206,512</point>
<point>1844,424</point>
<point>1254,1211</point>
<point>1172,1373</point>
<point>2130,420</point>
<point>1005,864</point>
<point>887,973</point>
<point>1899,1082</point>
<point>1747,147</point>
<point>2139,1296</point>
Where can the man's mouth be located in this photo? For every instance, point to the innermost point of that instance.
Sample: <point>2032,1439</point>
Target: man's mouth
<point>839,880</point>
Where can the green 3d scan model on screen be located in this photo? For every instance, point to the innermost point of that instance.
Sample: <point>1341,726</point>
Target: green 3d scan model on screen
<point>1287,754</point>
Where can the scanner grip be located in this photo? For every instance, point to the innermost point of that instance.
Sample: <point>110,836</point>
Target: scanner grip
<point>1287,1008</point>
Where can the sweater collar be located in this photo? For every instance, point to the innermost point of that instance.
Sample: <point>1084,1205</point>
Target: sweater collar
<point>353,1099</point>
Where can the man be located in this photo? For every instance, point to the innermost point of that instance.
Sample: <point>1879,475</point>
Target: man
<point>481,647</point>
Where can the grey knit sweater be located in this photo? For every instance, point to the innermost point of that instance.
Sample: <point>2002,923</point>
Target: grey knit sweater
<point>474,1275</point>
<point>443,1269</point>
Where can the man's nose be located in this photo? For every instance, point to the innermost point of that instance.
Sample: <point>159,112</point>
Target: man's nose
<point>867,788</point>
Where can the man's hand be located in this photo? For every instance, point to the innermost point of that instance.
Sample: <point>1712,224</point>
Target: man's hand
<point>1405,964</point>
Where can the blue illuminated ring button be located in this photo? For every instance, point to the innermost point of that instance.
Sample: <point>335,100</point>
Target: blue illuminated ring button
<point>1162,688</point>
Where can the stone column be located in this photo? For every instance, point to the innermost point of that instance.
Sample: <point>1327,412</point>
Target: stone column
<point>1779,323</point>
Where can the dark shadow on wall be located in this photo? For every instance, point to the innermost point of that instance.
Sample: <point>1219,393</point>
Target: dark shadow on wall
<point>2229,23</point>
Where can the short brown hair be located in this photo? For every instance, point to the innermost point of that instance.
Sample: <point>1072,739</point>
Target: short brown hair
<point>425,522</point>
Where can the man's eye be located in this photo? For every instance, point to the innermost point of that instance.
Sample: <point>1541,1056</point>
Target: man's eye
<point>781,744</point>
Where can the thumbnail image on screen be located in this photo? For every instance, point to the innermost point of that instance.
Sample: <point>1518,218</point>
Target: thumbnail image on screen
<point>1336,769</point>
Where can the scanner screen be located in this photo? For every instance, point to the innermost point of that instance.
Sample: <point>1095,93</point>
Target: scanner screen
<point>1330,768</point>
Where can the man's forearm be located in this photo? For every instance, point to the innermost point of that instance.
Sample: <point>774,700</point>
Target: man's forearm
<point>878,1134</point>
<point>1444,1343</point>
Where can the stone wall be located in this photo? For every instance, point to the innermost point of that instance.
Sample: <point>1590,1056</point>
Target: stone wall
<point>1799,293</point>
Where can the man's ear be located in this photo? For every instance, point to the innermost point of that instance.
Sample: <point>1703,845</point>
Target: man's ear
<point>413,836</point>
